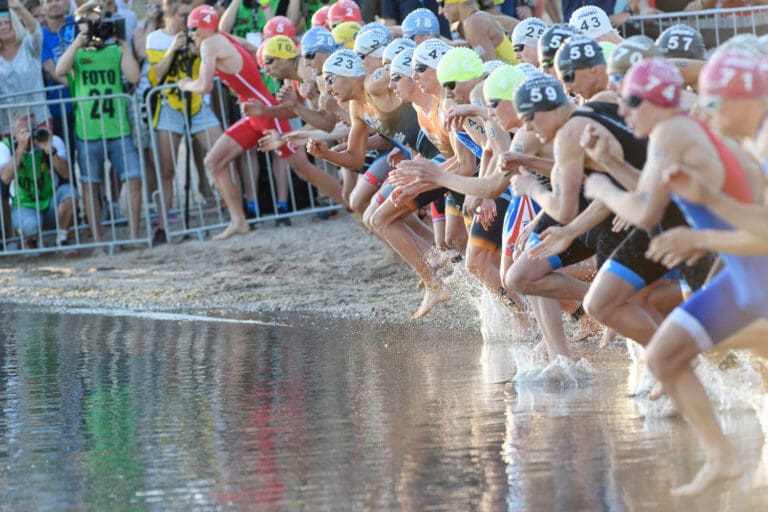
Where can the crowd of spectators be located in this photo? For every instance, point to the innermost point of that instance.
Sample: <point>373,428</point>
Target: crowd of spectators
<point>40,41</point>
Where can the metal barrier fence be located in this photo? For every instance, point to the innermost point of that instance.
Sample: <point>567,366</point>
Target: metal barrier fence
<point>192,207</point>
<point>187,209</point>
<point>44,196</point>
<point>716,25</point>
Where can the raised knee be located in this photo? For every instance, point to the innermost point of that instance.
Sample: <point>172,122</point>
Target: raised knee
<point>516,281</point>
<point>357,203</point>
<point>596,308</point>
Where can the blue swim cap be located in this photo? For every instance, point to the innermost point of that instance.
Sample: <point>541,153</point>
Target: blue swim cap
<point>318,39</point>
<point>420,22</point>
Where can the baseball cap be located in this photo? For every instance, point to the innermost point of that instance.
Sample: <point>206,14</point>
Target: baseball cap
<point>344,63</point>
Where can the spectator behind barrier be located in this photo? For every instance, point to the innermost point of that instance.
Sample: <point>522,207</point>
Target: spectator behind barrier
<point>21,43</point>
<point>95,65</point>
<point>171,52</point>
<point>25,164</point>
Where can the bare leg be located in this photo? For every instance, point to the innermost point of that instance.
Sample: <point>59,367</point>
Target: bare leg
<point>531,277</point>
<point>223,152</point>
<point>168,146</point>
<point>389,259</point>
<point>669,356</point>
<point>388,222</point>
<point>349,181</point>
<point>93,209</point>
<point>548,315</point>
<point>310,173</point>
<point>134,201</point>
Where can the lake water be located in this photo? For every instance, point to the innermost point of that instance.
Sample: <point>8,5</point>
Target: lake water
<point>104,412</point>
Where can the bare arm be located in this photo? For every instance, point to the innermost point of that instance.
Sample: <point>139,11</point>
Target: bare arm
<point>227,20</point>
<point>357,144</point>
<point>128,64</point>
<point>49,68</point>
<point>67,60</point>
<point>204,82</point>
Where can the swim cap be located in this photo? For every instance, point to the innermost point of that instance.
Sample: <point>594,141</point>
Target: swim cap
<point>492,65</point>
<point>430,52</point>
<point>681,42</point>
<point>204,17</point>
<point>260,56</point>
<point>372,39</point>
<point>344,63</point>
<point>733,74</point>
<point>421,22</point>
<point>402,63</point>
<point>526,68</point>
<point>344,10</point>
<point>539,92</point>
<point>459,65</point>
<point>502,83</point>
<point>746,42</point>
<point>631,51</point>
<point>655,80</point>
<point>528,32</point>
<point>279,25</point>
<point>591,20</point>
<point>281,47</point>
<point>579,52</point>
<point>397,46</point>
<point>320,18</point>
<point>318,39</point>
<point>552,39</point>
<point>608,49</point>
<point>344,33</point>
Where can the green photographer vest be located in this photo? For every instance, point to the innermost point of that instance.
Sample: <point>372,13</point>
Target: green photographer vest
<point>97,73</point>
<point>30,176</point>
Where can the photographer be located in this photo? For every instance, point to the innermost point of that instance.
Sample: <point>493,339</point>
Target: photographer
<point>172,54</point>
<point>96,68</point>
<point>25,161</point>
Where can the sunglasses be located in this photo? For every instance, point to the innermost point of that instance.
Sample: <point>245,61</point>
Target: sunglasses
<point>518,48</point>
<point>395,78</point>
<point>615,78</point>
<point>632,101</point>
<point>450,85</point>
<point>420,68</point>
<point>548,63</point>
<point>493,104</point>
<point>309,56</point>
<point>568,76</point>
<point>329,79</point>
<point>191,29</point>
<point>711,103</point>
<point>528,116</point>
<point>268,61</point>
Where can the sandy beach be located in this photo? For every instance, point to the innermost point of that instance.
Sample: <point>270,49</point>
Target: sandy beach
<point>324,268</point>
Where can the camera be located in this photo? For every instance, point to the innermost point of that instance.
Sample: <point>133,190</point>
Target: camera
<point>107,29</point>
<point>40,135</point>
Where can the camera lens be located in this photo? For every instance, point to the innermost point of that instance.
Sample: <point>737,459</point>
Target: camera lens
<point>40,135</point>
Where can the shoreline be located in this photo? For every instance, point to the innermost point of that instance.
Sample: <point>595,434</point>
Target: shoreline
<point>323,268</point>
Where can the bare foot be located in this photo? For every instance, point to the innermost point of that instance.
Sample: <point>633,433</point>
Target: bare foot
<point>713,471</point>
<point>420,284</point>
<point>241,228</point>
<point>432,297</point>
<point>656,391</point>
<point>607,337</point>
<point>391,258</point>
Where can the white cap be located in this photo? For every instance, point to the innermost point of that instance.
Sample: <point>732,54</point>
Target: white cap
<point>344,63</point>
<point>528,32</point>
<point>431,51</point>
<point>372,39</point>
<point>401,64</point>
<point>591,21</point>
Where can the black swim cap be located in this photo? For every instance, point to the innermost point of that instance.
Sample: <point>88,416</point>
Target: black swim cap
<point>552,39</point>
<point>539,93</point>
<point>681,42</point>
<point>579,52</point>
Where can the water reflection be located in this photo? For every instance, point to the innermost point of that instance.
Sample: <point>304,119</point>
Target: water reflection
<point>115,413</point>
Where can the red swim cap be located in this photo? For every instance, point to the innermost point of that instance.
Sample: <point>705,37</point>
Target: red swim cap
<point>260,56</point>
<point>655,80</point>
<point>734,74</point>
<point>344,10</point>
<point>279,26</point>
<point>320,18</point>
<point>204,17</point>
